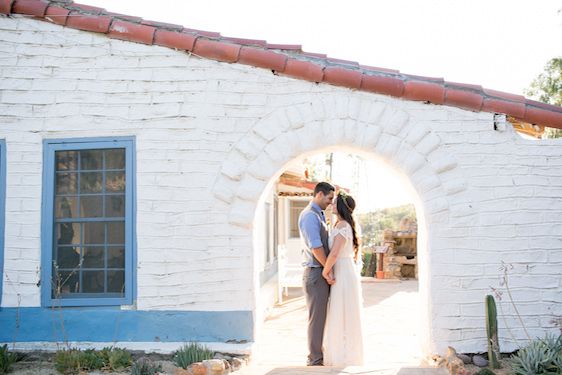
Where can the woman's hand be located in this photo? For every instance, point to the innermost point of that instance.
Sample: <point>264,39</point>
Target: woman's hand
<point>329,276</point>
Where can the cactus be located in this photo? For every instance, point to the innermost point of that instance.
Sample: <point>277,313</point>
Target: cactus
<point>492,332</point>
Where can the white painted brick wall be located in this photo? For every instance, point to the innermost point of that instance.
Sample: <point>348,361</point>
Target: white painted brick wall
<point>488,196</point>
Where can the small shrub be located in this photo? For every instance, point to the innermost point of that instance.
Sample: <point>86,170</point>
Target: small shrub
<point>7,359</point>
<point>191,353</point>
<point>90,360</point>
<point>145,367</point>
<point>67,361</point>
<point>541,356</point>
<point>74,360</point>
<point>115,358</point>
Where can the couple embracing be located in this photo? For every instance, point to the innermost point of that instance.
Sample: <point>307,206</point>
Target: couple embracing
<point>331,280</point>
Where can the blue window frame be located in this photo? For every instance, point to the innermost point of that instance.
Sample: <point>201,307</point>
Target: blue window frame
<point>2,209</point>
<point>88,222</point>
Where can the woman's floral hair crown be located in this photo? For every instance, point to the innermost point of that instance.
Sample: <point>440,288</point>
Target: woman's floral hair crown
<point>344,196</point>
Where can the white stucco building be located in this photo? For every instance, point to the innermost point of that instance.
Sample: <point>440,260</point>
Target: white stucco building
<point>136,170</point>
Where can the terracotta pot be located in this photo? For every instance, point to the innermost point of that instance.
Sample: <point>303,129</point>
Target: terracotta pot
<point>380,274</point>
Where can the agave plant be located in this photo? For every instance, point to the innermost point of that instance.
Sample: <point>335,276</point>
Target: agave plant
<point>540,357</point>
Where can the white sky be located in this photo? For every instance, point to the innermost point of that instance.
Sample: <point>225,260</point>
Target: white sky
<point>499,44</point>
<point>373,183</point>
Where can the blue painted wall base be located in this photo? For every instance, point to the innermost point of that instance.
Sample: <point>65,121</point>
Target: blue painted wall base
<point>112,324</point>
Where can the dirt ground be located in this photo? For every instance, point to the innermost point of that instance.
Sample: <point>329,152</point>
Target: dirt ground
<point>503,370</point>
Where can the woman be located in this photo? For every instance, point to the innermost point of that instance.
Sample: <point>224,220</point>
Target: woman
<point>343,336</point>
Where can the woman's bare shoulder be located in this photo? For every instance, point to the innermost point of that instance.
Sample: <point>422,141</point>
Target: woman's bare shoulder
<point>342,224</point>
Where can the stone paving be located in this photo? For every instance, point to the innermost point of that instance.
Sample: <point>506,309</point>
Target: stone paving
<point>391,341</point>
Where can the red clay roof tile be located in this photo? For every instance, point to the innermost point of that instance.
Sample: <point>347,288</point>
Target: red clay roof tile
<point>515,109</point>
<point>209,34</point>
<point>412,77</point>
<point>542,105</point>
<point>534,115</point>
<point>290,60</point>
<point>133,32</point>
<point>31,7</point>
<point>464,86</point>
<point>98,24</point>
<point>163,25</point>
<point>173,39</point>
<point>215,50</point>
<point>57,15</point>
<point>463,98</point>
<point>287,47</point>
<point>87,8</point>
<point>245,42</point>
<point>306,70</point>
<point>383,85</point>
<point>262,58</point>
<point>342,77</point>
<point>425,91</point>
<point>6,6</point>
<point>504,95</point>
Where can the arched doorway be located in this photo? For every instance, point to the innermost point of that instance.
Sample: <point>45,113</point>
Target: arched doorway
<point>391,304</point>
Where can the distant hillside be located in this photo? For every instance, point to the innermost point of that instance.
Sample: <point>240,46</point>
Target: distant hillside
<point>373,223</point>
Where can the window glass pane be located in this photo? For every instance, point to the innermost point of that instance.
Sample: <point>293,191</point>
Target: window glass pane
<point>94,233</point>
<point>65,207</point>
<point>68,257</point>
<point>68,233</point>
<point>93,257</point>
<point>114,205</point>
<point>116,233</point>
<point>66,160</point>
<point>66,282</point>
<point>295,208</point>
<point>91,159</point>
<point>91,182</point>
<point>116,282</point>
<point>91,206</point>
<point>115,257</point>
<point>115,182</point>
<point>115,158</point>
<point>92,281</point>
<point>89,209</point>
<point>66,183</point>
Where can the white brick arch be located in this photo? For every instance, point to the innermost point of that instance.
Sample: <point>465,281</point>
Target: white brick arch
<point>379,129</point>
<point>375,128</point>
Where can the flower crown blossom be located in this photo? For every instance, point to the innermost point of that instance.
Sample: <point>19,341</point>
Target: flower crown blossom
<point>344,196</point>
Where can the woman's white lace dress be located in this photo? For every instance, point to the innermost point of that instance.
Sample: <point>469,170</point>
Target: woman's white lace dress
<point>343,335</point>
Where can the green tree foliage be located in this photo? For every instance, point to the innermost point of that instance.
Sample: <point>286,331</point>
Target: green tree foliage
<point>547,88</point>
<point>374,223</point>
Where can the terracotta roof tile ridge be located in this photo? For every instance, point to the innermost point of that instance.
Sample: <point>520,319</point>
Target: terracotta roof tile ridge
<point>286,59</point>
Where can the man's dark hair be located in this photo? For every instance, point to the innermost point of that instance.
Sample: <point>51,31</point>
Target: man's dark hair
<point>323,187</point>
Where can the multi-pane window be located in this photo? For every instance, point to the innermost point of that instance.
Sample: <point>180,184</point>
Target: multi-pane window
<point>295,209</point>
<point>90,252</point>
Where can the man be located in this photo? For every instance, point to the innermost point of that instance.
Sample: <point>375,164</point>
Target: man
<point>314,232</point>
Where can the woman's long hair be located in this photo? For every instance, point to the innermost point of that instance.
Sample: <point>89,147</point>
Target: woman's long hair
<point>345,205</point>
